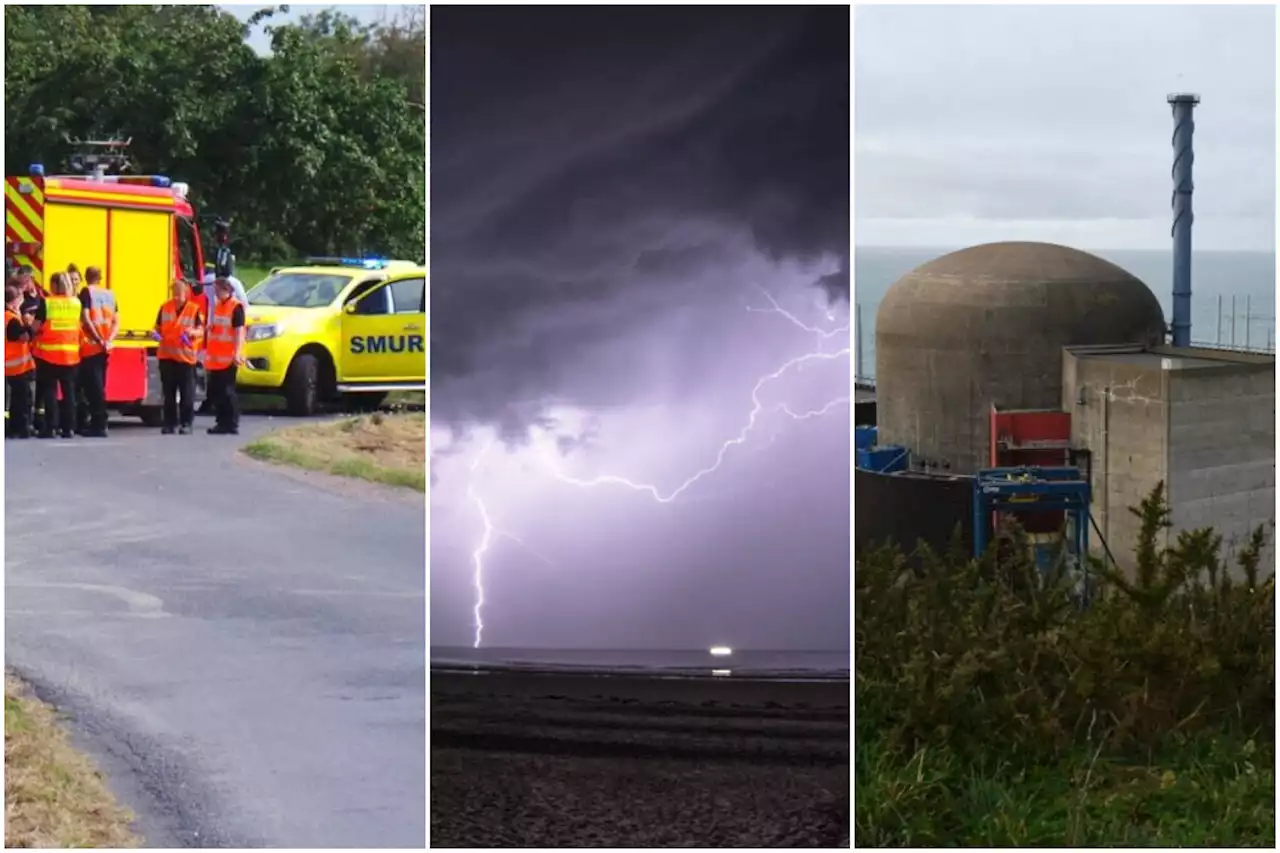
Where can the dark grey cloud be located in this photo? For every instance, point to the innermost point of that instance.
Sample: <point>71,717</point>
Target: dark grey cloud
<point>589,166</point>
<point>1057,115</point>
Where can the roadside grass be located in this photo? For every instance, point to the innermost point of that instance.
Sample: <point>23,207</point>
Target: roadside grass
<point>251,275</point>
<point>1210,791</point>
<point>381,448</point>
<point>53,794</point>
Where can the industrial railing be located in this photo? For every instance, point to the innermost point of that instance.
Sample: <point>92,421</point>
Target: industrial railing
<point>1237,333</point>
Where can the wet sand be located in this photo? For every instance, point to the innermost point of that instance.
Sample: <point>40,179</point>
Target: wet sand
<point>574,760</point>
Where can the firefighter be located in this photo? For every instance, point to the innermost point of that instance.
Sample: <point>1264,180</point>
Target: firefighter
<point>92,378</point>
<point>208,288</point>
<point>57,329</point>
<point>179,327</point>
<point>19,366</point>
<point>224,352</point>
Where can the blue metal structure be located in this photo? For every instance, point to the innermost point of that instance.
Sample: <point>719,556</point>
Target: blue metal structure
<point>1183,158</point>
<point>887,459</point>
<point>1014,490</point>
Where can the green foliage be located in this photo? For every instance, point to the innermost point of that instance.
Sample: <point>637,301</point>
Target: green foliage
<point>1208,793</point>
<point>318,148</point>
<point>996,676</point>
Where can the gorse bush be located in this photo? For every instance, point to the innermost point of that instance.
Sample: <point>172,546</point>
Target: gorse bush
<point>994,654</point>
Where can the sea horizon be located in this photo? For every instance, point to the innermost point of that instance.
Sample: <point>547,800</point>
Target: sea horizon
<point>671,661</point>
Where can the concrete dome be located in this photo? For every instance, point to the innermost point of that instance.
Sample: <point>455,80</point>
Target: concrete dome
<point>986,325</point>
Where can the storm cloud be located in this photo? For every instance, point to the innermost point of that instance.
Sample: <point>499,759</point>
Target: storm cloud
<point>590,166</point>
<point>1049,122</point>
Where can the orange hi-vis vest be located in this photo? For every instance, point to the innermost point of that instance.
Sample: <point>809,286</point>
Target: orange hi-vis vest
<point>17,354</point>
<point>173,325</point>
<point>59,339</point>
<point>220,347</point>
<point>102,316</point>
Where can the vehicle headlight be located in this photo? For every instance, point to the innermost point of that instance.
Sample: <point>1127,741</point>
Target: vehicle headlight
<point>263,332</point>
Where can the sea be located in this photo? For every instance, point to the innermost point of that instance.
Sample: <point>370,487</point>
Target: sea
<point>1233,294</point>
<point>774,664</point>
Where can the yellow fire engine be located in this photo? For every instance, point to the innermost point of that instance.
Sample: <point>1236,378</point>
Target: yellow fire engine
<point>140,230</point>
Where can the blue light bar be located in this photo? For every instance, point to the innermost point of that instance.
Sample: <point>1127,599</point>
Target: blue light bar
<point>160,181</point>
<point>362,263</point>
<point>36,170</point>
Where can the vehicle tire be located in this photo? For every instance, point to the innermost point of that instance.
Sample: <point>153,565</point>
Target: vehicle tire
<point>151,416</point>
<point>363,403</point>
<point>302,386</point>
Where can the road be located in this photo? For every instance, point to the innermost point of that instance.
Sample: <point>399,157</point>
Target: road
<point>241,648</point>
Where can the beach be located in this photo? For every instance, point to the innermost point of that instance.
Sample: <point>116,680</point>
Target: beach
<point>523,759</point>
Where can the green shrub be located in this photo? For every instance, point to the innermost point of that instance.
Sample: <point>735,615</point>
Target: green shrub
<point>994,708</point>
<point>963,652</point>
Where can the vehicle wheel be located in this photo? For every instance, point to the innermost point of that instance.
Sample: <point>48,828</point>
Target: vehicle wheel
<point>362,403</point>
<point>152,416</point>
<point>301,386</point>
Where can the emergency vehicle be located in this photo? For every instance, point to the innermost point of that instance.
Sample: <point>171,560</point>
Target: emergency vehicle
<point>140,230</point>
<point>349,329</point>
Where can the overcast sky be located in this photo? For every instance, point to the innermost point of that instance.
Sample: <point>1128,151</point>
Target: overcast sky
<point>983,123</point>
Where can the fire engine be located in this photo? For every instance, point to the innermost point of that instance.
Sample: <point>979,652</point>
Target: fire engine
<point>140,230</point>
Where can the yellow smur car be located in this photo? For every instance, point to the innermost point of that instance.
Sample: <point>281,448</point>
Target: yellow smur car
<point>337,329</point>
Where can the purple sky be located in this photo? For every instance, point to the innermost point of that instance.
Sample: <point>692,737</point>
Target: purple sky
<point>601,224</point>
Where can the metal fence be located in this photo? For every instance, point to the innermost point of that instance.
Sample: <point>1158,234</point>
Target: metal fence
<point>1235,331</point>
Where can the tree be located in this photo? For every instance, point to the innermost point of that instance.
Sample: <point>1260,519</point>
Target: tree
<point>317,148</point>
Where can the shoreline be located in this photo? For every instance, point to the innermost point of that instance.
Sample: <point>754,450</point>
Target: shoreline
<point>560,759</point>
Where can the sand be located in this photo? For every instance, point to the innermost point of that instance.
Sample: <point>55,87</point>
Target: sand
<point>523,760</point>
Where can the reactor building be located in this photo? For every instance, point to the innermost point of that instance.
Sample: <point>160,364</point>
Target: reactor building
<point>1053,362</point>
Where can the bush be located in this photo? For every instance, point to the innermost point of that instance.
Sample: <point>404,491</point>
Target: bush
<point>999,672</point>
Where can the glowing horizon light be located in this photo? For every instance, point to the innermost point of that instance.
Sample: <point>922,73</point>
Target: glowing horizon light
<point>721,672</point>
<point>721,651</point>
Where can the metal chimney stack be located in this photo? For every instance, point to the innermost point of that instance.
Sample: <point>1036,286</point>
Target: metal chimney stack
<point>1183,158</point>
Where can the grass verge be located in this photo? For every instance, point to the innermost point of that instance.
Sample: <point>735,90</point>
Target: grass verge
<point>251,275</point>
<point>382,448</point>
<point>1210,791</point>
<point>53,795</point>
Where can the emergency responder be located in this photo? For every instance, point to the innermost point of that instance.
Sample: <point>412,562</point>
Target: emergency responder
<point>207,288</point>
<point>179,327</point>
<point>73,273</point>
<point>92,376</point>
<point>19,367</point>
<point>32,295</point>
<point>58,324</point>
<point>223,353</point>
<point>32,298</point>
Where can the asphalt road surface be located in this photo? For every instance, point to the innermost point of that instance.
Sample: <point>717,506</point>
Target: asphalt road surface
<point>240,647</point>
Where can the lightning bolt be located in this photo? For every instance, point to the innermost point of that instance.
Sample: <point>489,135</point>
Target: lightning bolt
<point>491,534</point>
<point>757,408</point>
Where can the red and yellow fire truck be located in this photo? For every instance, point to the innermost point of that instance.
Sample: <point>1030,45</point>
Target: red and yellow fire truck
<point>140,230</point>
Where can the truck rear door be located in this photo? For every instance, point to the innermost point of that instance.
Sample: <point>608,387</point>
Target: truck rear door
<point>141,267</point>
<point>73,234</point>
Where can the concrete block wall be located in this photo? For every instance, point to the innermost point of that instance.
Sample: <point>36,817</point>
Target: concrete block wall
<point>1222,466</point>
<point>1119,412</point>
